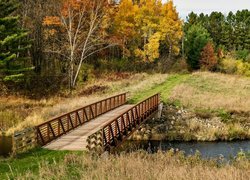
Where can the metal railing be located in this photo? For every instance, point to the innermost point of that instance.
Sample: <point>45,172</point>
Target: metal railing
<point>51,130</point>
<point>116,131</point>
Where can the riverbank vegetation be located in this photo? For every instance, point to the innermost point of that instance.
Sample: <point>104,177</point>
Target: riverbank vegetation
<point>44,164</point>
<point>202,106</point>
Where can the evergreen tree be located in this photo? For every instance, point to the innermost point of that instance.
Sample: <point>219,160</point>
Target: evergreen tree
<point>196,38</point>
<point>13,42</point>
<point>215,25</point>
<point>231,31</point>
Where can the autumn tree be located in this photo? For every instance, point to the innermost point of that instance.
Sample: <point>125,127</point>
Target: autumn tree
<point>208,59</point>
<point>171,29</point>
<point>80,32</point>
<point>123,28</point>
<point>147,22</point>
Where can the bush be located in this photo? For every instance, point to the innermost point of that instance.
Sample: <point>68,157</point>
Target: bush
<point>232,66</point>
<point>124,65</point>
<point>86,73</point>
<point>180,66</point>
<point>36,86</point>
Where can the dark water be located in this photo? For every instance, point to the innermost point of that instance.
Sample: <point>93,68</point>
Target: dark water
<point>207,150</point>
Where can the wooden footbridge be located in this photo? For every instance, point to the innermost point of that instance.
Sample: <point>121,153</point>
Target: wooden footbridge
<point>100,126</point>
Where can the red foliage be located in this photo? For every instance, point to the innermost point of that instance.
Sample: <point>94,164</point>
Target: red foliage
<point>208,59</point>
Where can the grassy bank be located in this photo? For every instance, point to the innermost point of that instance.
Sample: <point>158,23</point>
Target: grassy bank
<point>137,165</point>
<point>202,106</point>
<point>14,167</point>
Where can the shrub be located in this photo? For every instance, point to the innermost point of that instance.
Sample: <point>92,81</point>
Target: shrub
<point>228,66</point>
<point>208,60</point>
<point>232,66</point>
<point>86,73</point>
<point>124,65</point>
<point>180,66</point>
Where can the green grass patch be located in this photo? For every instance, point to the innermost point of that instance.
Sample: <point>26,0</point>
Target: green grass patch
<point>164,89</point>
<point>12,167</point>
<point>224,115</point>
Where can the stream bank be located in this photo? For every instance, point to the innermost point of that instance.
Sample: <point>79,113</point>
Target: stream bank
<point>179,124</point>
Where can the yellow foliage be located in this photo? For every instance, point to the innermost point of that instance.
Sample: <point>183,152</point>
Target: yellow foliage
<point>233,66</point>
<point>171,27</point>
<point>152,48</point>
<point>124,19</point>
<point>143,27</point>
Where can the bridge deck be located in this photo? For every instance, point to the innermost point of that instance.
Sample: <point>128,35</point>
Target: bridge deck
<point>77,139</point>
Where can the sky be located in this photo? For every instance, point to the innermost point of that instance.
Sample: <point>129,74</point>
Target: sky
<point>184,7</point>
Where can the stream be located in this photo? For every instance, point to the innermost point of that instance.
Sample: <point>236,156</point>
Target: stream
<point>207,150</point>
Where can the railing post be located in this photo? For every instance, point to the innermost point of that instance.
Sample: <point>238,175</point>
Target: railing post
<point>48,134</point>
<point>58,130</point>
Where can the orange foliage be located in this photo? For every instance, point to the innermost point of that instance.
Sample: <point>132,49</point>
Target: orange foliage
<point>208,60</point>
<point>52,20</point>
<point>70,6</point>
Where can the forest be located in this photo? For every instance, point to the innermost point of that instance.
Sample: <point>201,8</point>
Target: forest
<point>63,43</point>
<point>57,56</point>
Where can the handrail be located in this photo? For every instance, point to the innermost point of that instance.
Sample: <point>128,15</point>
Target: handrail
<point>125,124</point>
<point>52,129</point>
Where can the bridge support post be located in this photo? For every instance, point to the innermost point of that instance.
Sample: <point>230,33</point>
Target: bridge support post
<point>158,114</point>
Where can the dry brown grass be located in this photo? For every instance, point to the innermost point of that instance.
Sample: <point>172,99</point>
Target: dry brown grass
<point>204,90</point>
<point>140,165</point>
<point>33,112</point>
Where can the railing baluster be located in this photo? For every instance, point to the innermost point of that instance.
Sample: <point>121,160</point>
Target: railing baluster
<point>96,109</point>
<point>92,112</point>
<point>63,126</point>
<point>134,116</point>
<point>48,134</point>
<point>40,134</point>
<point>58,128</point>
<point>60,120</point>
<point>52,130</point>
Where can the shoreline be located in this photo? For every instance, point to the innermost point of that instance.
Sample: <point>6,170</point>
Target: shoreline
<point>179,124</point>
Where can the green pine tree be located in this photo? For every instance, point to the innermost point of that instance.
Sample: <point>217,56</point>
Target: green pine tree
<point>196,39</point>
<point>13,43</point>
